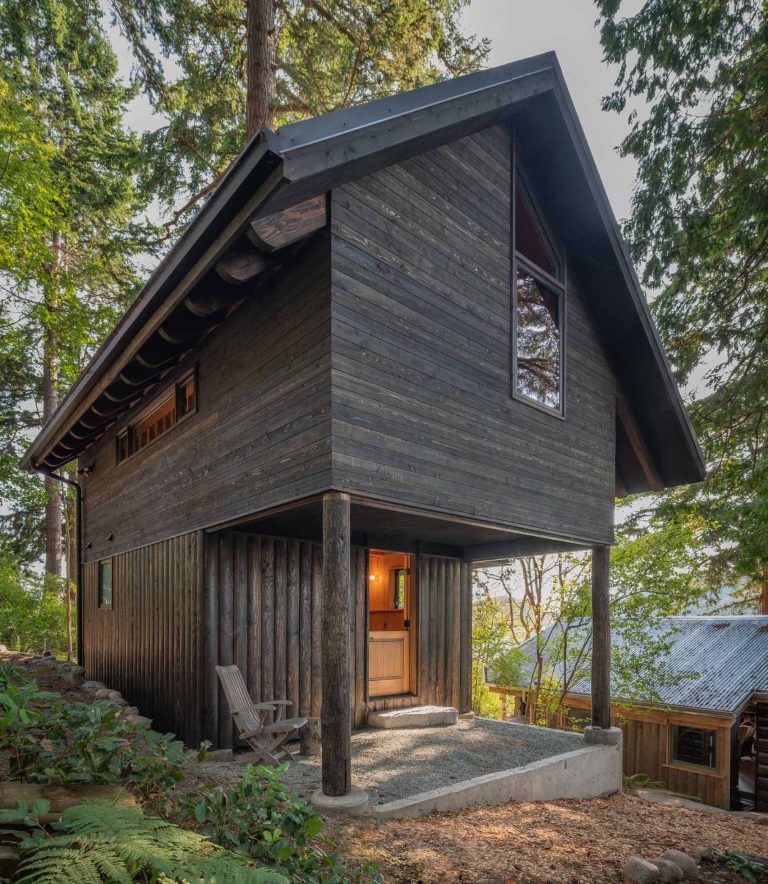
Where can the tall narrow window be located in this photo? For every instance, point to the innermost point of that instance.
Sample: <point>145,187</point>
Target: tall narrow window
<point>539,307</point>
<point>105,583</point>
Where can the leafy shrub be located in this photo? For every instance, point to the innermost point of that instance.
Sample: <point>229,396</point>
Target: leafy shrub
<point>32,610</point>
<point>80,742</point>
<point>258,817</point>
<point>98,841</point>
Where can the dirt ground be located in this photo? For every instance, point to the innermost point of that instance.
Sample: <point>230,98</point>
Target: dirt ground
<point>572,841</point>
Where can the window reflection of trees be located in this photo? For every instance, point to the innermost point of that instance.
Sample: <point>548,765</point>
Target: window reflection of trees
<point>538,341</point>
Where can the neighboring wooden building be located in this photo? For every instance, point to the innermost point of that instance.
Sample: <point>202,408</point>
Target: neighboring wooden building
<point>408,329</point>
<point>707,735</point>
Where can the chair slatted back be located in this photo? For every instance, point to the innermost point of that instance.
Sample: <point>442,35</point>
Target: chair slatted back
<point>246,717</point>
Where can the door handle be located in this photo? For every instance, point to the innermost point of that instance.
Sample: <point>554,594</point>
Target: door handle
<point>406,624</point>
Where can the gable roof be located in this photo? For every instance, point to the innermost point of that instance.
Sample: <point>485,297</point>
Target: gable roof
<point>278,170</point>
<point>727,656</point>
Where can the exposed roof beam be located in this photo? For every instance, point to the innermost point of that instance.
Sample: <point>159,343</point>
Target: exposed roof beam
<point>637,443</point>
<point>273,232</point>
<point>240,265</point>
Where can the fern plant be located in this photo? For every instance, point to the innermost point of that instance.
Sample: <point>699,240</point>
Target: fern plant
<point>97,841</point>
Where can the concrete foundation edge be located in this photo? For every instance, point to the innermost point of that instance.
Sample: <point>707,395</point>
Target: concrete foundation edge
<point>589,772</point>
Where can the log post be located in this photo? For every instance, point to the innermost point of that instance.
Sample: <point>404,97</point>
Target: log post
<point>335,714</point>
<point>601,638</point>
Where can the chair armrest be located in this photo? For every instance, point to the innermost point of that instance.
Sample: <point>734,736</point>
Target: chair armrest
<point>281,726</point>
<point>281,705</point>
<point>270,706</point>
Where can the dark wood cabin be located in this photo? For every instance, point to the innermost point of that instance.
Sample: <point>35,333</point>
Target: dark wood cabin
<point>705,733</point>
<point>398,340</point>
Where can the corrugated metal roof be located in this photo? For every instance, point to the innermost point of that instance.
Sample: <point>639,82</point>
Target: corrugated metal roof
<point>725,657</point>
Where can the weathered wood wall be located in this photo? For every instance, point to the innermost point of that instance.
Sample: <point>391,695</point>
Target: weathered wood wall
<point>148,645</point>
<point>421,324</point>
<point>261,434</point>
<point>262,602</point>
<point>647,748</point>
<point>761,737</point>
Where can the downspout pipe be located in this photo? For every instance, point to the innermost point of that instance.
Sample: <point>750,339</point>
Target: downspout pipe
<point>79,553</point>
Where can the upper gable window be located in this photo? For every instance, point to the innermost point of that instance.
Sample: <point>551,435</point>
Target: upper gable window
<point>167,410</point>
<point>539,309</point>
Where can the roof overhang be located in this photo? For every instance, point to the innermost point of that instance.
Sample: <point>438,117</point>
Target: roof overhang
<point>279,171</point>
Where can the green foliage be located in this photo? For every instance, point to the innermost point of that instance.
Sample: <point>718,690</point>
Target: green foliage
<point>259,818</point>
<point>697,72</point>
<point>330,54</point>
<point>64,742</point>
<point>750,867</point>
<point>484,701</point>
<point>641,781</point>
<point>70,222</point>
<point>98,841</point>
<point>32,610</point>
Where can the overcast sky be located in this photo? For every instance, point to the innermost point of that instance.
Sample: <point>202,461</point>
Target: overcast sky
<point>518,28</point>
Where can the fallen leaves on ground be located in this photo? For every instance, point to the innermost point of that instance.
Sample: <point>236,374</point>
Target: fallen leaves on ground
<point>559,841</point>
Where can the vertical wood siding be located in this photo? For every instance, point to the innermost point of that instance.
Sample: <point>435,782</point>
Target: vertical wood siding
<point>272,586</point>
<point>149,645</point>
<point>421,359</point>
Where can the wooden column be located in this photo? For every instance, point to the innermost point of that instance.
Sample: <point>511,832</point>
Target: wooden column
<point>336,711</point>
<point>601,638</point>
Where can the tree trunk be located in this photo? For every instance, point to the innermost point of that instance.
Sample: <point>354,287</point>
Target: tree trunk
<point>260,36</point>
<point>50,402</point>
<point>601,637</point>
<point>71,581</point>
<point>336,650</point>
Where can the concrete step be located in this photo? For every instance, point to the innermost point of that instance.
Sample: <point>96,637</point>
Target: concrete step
<point>414,716</point>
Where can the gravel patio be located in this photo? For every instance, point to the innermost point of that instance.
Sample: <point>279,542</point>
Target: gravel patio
<point>395,764</point>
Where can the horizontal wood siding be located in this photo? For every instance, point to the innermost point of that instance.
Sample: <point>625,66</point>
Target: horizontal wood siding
<point>261,434</point>
<point>421,322</point>
<point>262,604</point>
<point>148,645</point>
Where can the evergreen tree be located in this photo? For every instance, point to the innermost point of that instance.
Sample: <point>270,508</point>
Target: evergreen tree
<point>697,72</point>
<point>267,62</point>
<point>67,205</point>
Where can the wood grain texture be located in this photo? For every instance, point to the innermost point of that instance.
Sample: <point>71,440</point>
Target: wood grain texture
<point>155,645</point>
<point>338,611</point>
<point>261,433</point>
<point>421,310</point>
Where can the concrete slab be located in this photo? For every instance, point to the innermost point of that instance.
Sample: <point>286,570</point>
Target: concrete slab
<point>590,772</point>
<point>354,803</point>
<point>414,716</point>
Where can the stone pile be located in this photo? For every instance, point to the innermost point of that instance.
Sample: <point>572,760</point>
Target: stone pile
<point>671,866</point>
<point>97,690</point>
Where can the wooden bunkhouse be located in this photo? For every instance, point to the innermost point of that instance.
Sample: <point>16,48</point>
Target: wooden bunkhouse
<point>397,341</point>
<point>704,732</point>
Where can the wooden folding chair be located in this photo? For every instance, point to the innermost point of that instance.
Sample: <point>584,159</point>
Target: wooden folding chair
<point>268,740</point>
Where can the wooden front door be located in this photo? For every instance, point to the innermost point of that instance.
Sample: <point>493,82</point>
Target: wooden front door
<point>389,630</point>
<point>388,663</point>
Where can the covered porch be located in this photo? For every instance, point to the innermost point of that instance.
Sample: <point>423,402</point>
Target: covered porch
<point>438,552</point>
